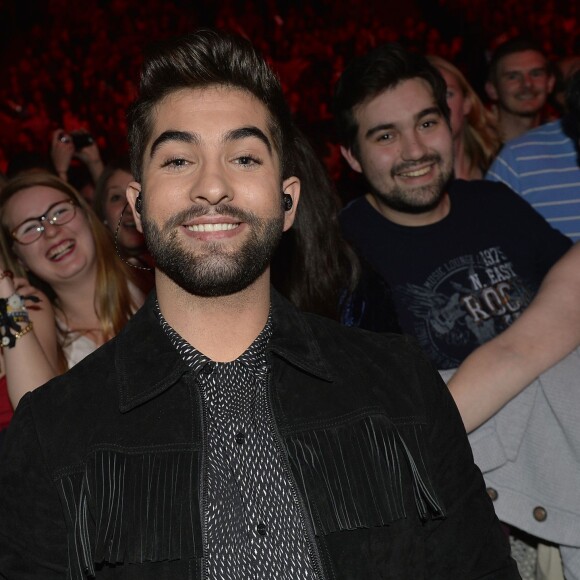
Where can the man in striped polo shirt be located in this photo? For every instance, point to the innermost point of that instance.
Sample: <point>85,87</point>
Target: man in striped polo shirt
<point>542,166</point>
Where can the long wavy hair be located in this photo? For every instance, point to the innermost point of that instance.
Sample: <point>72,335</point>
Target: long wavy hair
<point>480,133</point>
<point>314,266</point>
<point>113,304</point>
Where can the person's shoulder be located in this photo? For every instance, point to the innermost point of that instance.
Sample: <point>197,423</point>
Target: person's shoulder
<point>86,377</point>
<point>365,346</point>
<point>478,190</point>
<point>538,136</point>
<point>485,199</point>
<point>354,208</point>
<point>546,130</point>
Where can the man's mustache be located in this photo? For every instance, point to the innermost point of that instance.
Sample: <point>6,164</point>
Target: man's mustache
<point>196,211</point>
<point>411,165</point>
<point>527,92</point>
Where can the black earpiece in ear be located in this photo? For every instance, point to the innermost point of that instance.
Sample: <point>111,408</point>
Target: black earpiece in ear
<point>287,201</point>
<point>138,204</point>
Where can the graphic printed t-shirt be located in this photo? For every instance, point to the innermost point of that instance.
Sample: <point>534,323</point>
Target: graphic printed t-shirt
<point>461,281</point>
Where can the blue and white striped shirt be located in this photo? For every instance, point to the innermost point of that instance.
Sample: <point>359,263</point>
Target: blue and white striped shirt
<point>542,166</point>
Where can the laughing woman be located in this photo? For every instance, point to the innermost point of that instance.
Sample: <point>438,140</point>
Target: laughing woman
<point>50,234</point>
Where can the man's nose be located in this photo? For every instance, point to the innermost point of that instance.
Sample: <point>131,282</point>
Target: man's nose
<point>412,146</point>
<point>528,81</point>
<point>212,185</point>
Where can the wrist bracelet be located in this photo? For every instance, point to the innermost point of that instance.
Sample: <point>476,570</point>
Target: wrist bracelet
<point>6,274</point>
<point>24,331</point>
<point>13,313</point>
<point>9,340</point>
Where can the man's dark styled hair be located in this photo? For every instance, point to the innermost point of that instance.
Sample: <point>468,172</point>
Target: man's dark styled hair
<point>379,70</point>
<point>511,46</point>
<point>313,265</point>
<point>202,59</point>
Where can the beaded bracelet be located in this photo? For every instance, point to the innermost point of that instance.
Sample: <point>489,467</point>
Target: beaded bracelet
<point>24,331</point>
<point>13,313</point>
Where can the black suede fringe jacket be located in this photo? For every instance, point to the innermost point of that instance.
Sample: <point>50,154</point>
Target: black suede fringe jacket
<point>102,472</point>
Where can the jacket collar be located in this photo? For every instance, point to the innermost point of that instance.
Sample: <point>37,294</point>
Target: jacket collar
<point>148,364</point>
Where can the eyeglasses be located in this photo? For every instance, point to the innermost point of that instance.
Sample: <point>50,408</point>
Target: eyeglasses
<point>57,214</point>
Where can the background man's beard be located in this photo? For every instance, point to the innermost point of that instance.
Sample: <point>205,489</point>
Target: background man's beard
<point>417,200</point>
<point>215,272</point>
<point>400,200</point>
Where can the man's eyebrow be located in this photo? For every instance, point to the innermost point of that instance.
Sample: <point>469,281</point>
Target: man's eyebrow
<point>427,112</point>
<point>248,131</point>
<point>387,126</point>
<point>378,128</point>
<point>194,138</point>
<point>182,136</point>
<point>511,71</point>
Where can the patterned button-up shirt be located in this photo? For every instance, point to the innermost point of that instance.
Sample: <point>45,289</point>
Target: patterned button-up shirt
<point>253,525</point>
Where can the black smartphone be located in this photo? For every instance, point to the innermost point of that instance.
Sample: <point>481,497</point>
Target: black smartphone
<point>81,139</point>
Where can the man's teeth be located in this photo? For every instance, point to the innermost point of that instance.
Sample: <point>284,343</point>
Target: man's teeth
<point>212,227</point>
<point>417,172</point>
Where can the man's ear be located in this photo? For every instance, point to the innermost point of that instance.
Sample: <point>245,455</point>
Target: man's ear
<point>491,91</point>
<point>351,159</point>
<point>133,192</point>
<point>291,187</point>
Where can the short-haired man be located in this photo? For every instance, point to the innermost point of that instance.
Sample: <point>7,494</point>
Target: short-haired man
<point>519,83</point>
<point>223,434</point>
<point>462,258</point>
<point>542,166</point>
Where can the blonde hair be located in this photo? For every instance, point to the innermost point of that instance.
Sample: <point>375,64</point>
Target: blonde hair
<point>480,136</point>
<point>113,304</point>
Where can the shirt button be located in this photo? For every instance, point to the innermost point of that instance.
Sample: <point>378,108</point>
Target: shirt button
<point>240,437</point>
<point>205,370</point>
<point>540,514</point>
<point>492,493</point>
<point>261,529</point>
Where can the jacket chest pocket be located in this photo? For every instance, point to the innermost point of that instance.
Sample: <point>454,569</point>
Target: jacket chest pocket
<point>132,507</point>
<point>363,473</point>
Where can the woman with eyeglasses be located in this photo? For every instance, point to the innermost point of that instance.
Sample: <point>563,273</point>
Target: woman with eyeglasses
<point>49,233</point>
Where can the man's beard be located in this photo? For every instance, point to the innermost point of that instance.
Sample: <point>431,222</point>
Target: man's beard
<point>215,271</point>
<point>417,200</point>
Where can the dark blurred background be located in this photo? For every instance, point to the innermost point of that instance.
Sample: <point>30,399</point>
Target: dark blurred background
<point>74,64</point>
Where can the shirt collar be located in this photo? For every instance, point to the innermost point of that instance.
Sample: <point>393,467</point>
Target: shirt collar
<point>253,357</point>
<point>147,363</point>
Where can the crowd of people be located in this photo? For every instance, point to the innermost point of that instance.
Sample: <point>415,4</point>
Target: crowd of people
<point>76,67</point>
<point>429,188</point>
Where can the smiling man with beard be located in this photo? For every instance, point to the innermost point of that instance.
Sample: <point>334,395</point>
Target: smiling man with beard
<point>224,434</point>
<point>462,258</point>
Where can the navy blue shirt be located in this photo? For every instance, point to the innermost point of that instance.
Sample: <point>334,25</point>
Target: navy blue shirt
<point>461,281</point>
